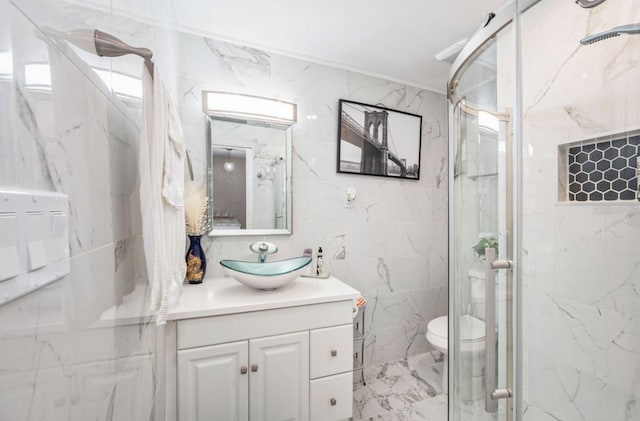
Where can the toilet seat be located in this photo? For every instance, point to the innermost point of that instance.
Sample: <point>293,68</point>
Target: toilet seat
<point>437,334</point>
<point>471,332</point>
<point>439,326</point>
<point>470,350</point>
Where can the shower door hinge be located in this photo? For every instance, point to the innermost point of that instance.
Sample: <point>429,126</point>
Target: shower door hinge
<point>501,394</point>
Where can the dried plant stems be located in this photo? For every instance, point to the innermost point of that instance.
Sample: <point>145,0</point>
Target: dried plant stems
<point>195,209</point>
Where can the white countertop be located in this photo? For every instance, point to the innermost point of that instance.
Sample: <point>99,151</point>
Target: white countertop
<point>218,296</point>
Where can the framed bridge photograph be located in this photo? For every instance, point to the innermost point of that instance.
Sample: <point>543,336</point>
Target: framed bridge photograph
<point>374,140</point>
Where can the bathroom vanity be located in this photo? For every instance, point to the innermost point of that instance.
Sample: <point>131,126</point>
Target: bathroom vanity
<point>237,353</point>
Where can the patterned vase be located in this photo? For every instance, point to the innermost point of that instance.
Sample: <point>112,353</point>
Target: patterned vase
<point>196,261</point>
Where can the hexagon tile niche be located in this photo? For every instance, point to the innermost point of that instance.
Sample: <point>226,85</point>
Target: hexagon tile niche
<point>603,169</point>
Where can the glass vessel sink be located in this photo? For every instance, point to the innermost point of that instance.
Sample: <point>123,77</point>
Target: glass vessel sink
<point>267,275</point>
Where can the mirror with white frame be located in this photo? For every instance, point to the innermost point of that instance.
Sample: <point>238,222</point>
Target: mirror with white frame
<point>248,176</point>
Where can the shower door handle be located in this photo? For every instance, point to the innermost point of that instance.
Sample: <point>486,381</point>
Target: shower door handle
<point>491,265</point>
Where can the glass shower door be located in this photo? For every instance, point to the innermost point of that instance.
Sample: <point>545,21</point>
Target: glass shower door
<point>580,212</point>
<point>479,238</point>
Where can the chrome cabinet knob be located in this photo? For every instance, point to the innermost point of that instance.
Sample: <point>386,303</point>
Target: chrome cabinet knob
<point>243,370</point>
<point>334,353</point>
<point>254,368</point>
<point>333,401</point>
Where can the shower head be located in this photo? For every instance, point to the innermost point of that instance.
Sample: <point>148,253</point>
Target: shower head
<point>613,32</point>
<point>589,3</point>
<point>109,46</point>
<point>101,43</point>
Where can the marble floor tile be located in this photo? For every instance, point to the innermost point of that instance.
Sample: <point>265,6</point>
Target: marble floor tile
<point>402,390</point>
<point>433,409</point>
<point>427,368</point>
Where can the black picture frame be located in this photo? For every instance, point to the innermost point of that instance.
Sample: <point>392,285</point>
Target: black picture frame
<point>389,147</point>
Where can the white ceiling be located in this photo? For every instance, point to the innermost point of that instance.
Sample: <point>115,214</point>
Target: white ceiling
<point>396,40</point>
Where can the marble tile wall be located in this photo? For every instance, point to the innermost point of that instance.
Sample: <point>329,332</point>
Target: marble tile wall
<point>581,260</point>
<point>392,245</point>
<point>65,354</point>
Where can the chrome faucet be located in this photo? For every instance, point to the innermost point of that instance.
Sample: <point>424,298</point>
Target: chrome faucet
<point>263,248</point>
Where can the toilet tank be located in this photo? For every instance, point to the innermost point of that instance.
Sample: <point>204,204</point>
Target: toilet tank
<point>477,282</point>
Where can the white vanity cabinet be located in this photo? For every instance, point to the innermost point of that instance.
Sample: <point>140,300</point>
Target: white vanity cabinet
<point>215,382</point>
<point>282,362</point>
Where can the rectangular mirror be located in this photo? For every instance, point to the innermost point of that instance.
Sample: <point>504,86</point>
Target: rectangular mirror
<point>248,177</point>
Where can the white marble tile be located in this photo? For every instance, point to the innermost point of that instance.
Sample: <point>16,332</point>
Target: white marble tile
<point>35,394</point>
<point>114,389</point>
<point>564,392</point>
<point>386,310</point>
<point>427,368</point>
<point>419,343</point>
<point>422,305</point>
<point>424,359</point>
<point>92,286</point>
<point>397,342</point>
<point>397,390</point>
<point>29,350</point>
<point>432,409</point>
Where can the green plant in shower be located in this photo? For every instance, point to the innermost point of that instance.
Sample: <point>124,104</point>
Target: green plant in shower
<point>485,243</point>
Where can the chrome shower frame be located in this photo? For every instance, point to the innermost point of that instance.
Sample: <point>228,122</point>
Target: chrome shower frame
<point>513,392</point>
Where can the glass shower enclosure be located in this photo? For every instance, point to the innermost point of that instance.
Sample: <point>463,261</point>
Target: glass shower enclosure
<point>544,309</point>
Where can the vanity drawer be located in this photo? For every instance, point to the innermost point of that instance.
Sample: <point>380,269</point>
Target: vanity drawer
<point>331,350</point>
<point>332,397</point>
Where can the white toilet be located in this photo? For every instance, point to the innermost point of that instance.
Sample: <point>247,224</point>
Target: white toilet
<point>472,347</point>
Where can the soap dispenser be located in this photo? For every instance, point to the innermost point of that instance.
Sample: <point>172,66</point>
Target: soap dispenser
<point>319,263</point>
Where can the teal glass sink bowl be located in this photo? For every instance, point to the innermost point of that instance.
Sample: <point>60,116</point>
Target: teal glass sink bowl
<point>267,275</point>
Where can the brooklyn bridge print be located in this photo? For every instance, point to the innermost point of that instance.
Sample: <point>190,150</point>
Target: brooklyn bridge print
<point>378,141</point>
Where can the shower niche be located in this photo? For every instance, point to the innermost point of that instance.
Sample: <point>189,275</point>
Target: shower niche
<point>601,169</point>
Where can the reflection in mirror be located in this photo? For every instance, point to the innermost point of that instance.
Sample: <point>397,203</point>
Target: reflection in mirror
<point>249,177</point>
<point>229,181</point>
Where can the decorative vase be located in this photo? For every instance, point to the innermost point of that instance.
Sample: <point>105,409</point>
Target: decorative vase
<point>196,261</point>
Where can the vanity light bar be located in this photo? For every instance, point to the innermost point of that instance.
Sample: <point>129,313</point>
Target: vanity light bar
<point>251,107</point>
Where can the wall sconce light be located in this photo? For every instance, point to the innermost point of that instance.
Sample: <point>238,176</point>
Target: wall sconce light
<point>249,107</point>
<point>229,165</point>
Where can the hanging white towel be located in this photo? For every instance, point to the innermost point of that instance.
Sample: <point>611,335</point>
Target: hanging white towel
<point>161,165</point>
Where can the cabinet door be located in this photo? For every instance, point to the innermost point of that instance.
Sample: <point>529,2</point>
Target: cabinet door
<point>279,383</point>
<point>213,383</point>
